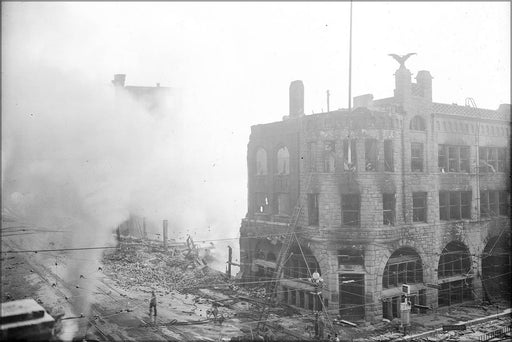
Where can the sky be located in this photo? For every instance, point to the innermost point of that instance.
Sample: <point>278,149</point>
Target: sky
<point>233,63</point>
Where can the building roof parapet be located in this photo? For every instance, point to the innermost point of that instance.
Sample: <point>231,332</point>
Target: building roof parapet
<point>471,112</point>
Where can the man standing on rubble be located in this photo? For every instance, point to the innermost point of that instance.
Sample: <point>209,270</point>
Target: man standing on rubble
<point>152,303</point>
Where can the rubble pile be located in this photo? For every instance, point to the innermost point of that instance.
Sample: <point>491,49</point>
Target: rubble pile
<point>146,267</point>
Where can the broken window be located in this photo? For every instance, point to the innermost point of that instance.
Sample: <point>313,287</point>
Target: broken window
<point>455,292</point>
<point>388,209</point>
<point>403,267</point>
<point>261,161</point>
<point>282,204</point>
<point>453,158</point>
<point>283,161</point>
<point>350,210</point>
<point>454,260</point>
<point>419,207</point>
<point>329,156</point>
<point>349,155</point>
<point>492,159</point>
<point>417,123</point>
<point>350,256</point>
<point>503,203</point>
<point>370,154</point>
<point>311,156</point>
<point>389,164</point>
<point>454,205</point>
<point>502,157</point>
<point>313,209</point>
<point>352,297</point>
<point>417,157</point>
<point>285,294</point>
<point>261,203</point>
<point>494,203</point>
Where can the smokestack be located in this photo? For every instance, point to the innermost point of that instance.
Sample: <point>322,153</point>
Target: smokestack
<point>119,80</point>
<point>424,82</point>
<point>296,98</point>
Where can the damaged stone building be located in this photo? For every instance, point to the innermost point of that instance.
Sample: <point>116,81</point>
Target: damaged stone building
<point>400,190</point>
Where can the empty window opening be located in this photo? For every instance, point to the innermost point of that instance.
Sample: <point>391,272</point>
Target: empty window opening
<point>282,204</point>
<point>419,207</point>
<point>350,209</point>
<point>494,203</point>
<point>313,210</point>
<point>351,296</point>
<point>311,156</point>
<point>388,209</point>
<point>262,203</point>
<point>496,265</point>
<point>417,123</point>
<point>492,159</point>
<point>454,205</point>
<point>285,294</point>
<point>283,161</point>
<point>453,158</point>
<point>293,297</point>
<point>261,161</point>
<point>349,155</point>
<point>351,256</point>
<point>329,156</point>
<point>389,164</point>
<point>454,260</point>
<point>296,267</point>
<point>455,292</point>
<point>417,157</point>
<point>370,146</point>
<point>403,267</point>
<point>302,300</point>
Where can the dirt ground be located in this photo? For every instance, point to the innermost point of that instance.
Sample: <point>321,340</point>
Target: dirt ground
<point>107,297</point>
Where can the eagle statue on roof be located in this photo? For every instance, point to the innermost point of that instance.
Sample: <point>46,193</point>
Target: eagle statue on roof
<point>402,59</point>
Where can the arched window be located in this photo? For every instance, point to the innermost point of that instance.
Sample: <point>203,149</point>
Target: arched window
<point>403,267</point>
<point>417,123</point>
<point>261,161</point>
<point>283,161</point>
<point>455,261</point>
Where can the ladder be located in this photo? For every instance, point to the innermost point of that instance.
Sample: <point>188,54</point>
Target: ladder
<point>272,285</point>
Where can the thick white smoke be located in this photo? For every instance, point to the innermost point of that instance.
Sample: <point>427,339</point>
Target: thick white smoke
<point>82,156</point>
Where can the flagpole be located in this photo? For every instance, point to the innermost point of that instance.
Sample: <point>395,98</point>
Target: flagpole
<point>350,63</point>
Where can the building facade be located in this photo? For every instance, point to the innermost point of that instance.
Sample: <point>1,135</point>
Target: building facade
<point>400,190</point>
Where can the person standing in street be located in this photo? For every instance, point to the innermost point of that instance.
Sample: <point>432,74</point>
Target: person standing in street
<point>152,303</point>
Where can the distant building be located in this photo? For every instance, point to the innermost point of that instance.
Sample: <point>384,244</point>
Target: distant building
<point>152,97</point>
<point>155,100</point>
<point>400,190</point>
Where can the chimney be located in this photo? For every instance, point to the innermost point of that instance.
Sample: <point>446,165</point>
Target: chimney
<point>296,98</point>
<point>403,85</point>
<point>504,108</point>
<point>119,80</point>
<point>424,84</point>
<point>364,101</point>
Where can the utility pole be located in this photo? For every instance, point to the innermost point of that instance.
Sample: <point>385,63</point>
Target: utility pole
<point>230,258</point>
<point>165,223</point>
<point>328,100</point>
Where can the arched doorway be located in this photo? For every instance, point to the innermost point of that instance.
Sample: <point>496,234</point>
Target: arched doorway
<point>454,275</point>
<point>297,288</point>
<point>403,267</point>
<point>496,268</point>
